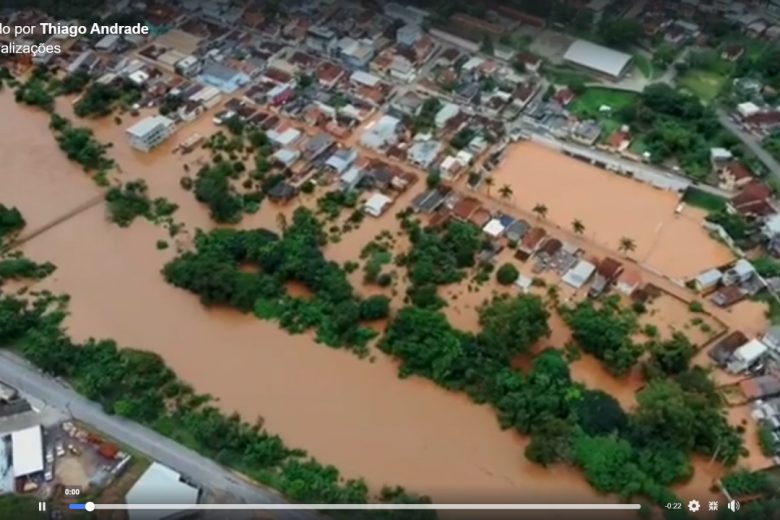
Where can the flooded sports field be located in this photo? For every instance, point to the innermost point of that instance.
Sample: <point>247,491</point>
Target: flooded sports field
<point>610,207</point>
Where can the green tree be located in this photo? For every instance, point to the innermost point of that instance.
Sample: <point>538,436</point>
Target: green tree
<point>11,222</point>
<point>540,210</point>
<point>507,274</point>
<point>626,245</point>
<point>489,183</point>
<point>621,32</point>
<point>128,202</point>
<point>97,101</point>
<point>577,226</point>
<point>375,307</point>
<point>510,326</point>
<point>551,441</point>
<point>606,332</point>
<point>426,343</point>
<point>673,356</point>
<point>608,463</point>
<point>598,413</point>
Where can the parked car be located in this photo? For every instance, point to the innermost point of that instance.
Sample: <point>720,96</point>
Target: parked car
<point>49,455</point>
<point>49,475</point>
<point>60,449</point>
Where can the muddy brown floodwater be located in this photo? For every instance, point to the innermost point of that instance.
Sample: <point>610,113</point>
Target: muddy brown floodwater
<point>348,412</point>
<point>610,207</point>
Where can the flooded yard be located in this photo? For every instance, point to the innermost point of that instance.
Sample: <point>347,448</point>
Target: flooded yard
<point>610,207</point>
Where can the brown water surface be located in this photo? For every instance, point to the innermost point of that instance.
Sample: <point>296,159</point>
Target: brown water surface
<point>348,412</point>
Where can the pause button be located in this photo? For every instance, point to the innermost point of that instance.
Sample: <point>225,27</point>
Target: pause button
<point>41,506</point>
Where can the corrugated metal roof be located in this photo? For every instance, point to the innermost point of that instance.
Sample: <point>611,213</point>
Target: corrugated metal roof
<point>160,485</point>
<point>597,57</point>
<point>27,446</point>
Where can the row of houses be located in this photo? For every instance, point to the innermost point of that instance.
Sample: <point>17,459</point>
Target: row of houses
<point>531,243</point>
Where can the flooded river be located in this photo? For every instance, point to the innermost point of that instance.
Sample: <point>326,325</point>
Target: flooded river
<point>348,412</point>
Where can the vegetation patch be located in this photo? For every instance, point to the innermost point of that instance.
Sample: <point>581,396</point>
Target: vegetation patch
<point>214,272</point>
<point>701,199</point>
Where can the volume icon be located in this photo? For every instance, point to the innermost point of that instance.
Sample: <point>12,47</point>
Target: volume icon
<point>733,506</point>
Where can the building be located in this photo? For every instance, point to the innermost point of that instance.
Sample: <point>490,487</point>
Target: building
<point>320,39</point>
<point>722,352</point>
<point>740,272</point>
<point>754,200</point>
<point>382,134</point>
<point>356,54</point>
<point>408,35</point>
<point>27,451</point>
<point>606,273</point>
<point>377,204</point>
<point>708,280</point>
<point>747,356</point>
<point>224,78</point>
<point>579,275</point>
<point>150,132</point>
<point>160,485</point>
<point>599,59</point>
<point>424,153</point>
<point>286,156</point>
<point>445,113</point>
<point>108,43</point>
<point>733,176</point>
<point>350,178</point>
<point>189,66</point>
<point>764,122</point>
<point>628,282</point>
<point>341,160</point>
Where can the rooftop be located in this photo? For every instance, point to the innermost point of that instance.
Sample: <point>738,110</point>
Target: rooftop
<point>160,485</point>
<point>597,57</point>
<point>148,124</point>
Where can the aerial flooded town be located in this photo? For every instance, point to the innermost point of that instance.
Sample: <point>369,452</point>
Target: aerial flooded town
<point>401,256</point>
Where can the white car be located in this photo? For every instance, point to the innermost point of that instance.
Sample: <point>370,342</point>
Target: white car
<point>49,475</point>
<point>60,449</point>
<point>49,455</point>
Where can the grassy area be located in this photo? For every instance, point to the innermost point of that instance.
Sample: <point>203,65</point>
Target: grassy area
<point>705,85</point>
<point>772,145</point>
<point>644,65</point>
<point>703,200</point>
<point>17,506</point>
<point>588,104</point>
<point>566,76</point>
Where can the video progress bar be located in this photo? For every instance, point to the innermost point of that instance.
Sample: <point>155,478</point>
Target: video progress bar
<point>89,506</point>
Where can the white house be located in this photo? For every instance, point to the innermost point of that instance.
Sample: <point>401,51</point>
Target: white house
<point>150,132</point>
<point>746,356</point>
<point>377,204</point>
<point>579,275</point>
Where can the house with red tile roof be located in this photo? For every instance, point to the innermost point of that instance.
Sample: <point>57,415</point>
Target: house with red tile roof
<point>734,176</point>
<point>754,200</point>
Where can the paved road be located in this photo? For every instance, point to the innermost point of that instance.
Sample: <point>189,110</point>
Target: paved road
<point>647,172</point>
<point>751,142</point>
<point>28,380</point>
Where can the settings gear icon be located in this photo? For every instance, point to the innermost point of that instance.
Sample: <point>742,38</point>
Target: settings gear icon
<point>693,506</point>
